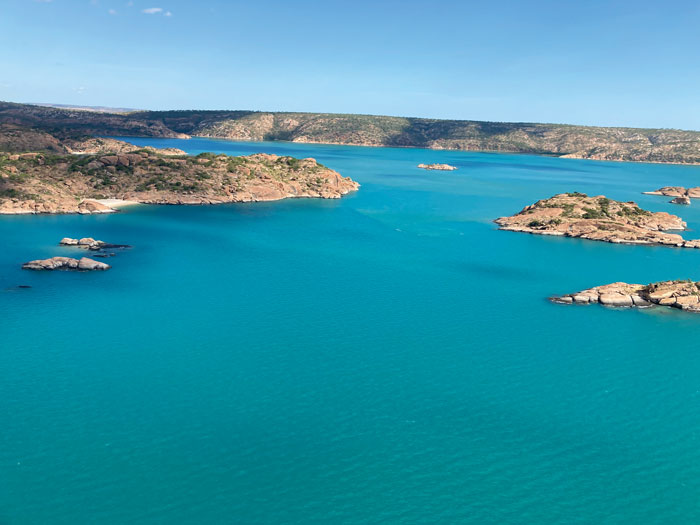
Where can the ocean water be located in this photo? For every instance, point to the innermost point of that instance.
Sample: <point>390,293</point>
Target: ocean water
<point>389,357</point>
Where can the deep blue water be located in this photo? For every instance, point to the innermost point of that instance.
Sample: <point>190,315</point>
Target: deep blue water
<point>389,357</point>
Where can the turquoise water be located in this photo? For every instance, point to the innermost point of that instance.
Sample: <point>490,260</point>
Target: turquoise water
<point>389,357</point>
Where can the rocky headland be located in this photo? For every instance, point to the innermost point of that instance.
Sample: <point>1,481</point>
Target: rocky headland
<point>91,183</point>
<point>597,218</point>
<point>439,167</point>
<point>684,295</point>
<point>65,263</point>
<point>680,194</point>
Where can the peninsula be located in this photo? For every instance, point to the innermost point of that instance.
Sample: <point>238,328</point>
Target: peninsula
<point>597,218</point>
<point>684,295</point>
<point>52,124</point>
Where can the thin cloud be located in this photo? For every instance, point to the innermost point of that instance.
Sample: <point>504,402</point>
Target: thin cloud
<point>112,11</point>
<point>152,10</point>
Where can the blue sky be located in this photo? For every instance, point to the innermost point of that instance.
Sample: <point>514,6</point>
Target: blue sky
<point>600,63</point>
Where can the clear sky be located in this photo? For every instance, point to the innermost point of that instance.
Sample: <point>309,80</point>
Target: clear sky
<point>582,62</point>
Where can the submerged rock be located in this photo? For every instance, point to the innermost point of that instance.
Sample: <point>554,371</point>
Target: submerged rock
<point>65,263</point>
<point>684,295</point>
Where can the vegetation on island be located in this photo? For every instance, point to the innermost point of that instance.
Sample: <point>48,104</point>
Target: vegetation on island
<point>56,183</point>
<point>598,218</point>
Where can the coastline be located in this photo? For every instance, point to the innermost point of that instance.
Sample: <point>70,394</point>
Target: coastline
<point>382,146</point>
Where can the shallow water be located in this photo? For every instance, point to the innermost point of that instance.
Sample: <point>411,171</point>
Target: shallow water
<point>389,357</point>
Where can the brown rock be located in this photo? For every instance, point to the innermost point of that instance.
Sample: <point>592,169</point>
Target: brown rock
<point>90,264</point>
<point>680,200</point>
<point>110,160</point>
<point>677,294</point>
<point>91,206</point>
<point>65,263</point>
<point>616,299</point>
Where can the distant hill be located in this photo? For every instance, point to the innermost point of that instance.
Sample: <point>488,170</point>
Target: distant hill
<point>585,142</point>
<point>99,109</point>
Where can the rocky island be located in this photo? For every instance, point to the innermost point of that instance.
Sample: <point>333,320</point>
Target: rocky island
<point>65,263</point>
<point>92,183</point>
<point>440,167</point>
<point>684,295</point>
<point>597,218</point>
<point>680,195</point>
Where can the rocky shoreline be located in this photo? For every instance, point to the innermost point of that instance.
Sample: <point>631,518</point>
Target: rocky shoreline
<point>684,295</point>
<point>598,218</point>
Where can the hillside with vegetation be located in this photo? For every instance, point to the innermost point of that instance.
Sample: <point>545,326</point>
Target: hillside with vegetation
<point>585,142</point>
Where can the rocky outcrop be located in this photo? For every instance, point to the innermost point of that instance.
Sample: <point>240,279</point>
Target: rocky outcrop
<point>680,200</point>
<point>65,263</point>
<point>684,295</point>
<point>86,242</point>
<point>681,195</point>
<point>100,145</point>
<point>97,183</point>
<point>90,244</point>
<point>439,167</point>
<point>90,206</point>
<point>597,218</point>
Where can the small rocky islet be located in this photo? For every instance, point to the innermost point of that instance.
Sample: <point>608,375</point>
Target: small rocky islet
<point>680,194</point>
<point>684,295</point>
<point>66,263</point>
<point>90,244</point>
<point>70,263</point>
<point>438,167</point>
<point>599,219</point>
